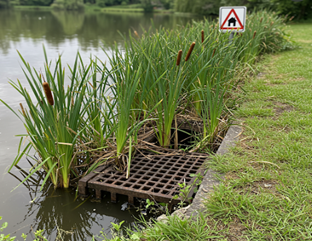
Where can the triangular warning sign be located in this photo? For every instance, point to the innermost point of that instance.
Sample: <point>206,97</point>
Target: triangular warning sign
<point>231,23</point>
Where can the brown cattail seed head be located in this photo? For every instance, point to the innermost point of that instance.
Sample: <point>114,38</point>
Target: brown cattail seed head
<point>272,23</point>
<point>291,18</point>
<point>203,35</point>
<point>23,111</point>
<point>48,93</point>
<point>179,57</point>
<point>190,51</point>
<point>136,33</point>
<point>254,35</point>
<point>213,53</point>
<point>261,20</point>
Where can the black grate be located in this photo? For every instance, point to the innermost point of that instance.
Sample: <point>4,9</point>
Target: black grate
<point>152,176</point>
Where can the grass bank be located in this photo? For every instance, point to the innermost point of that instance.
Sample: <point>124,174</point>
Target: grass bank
<point>267,191</point>
<point>132,8</point>
<point>41,8</point>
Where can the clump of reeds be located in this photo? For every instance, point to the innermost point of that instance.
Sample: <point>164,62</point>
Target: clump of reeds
<point>99,116</point>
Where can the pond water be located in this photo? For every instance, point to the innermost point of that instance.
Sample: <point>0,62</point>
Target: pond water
<point>27,208</point>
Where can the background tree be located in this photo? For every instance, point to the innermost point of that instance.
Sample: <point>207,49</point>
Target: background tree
<point>300,10</point>
<point>147,5</point>
<point>68,5</point>
<point>166,3</point>
<point>4,3</point>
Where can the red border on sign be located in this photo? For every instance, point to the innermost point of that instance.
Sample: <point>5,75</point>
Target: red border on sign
<point>232,11</point>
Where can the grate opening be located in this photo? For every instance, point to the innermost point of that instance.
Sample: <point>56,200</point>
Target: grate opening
<point>186,138</point>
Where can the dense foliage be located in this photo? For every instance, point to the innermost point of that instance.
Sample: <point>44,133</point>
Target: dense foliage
<point>67,4</point>
<point>299,9</point>
<point>4,3</point>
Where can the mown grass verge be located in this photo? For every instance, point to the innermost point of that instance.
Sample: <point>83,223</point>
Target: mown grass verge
<point>266,194</point>
<point>132,10</point>
<point>41,8</point>
<point>124,8</point>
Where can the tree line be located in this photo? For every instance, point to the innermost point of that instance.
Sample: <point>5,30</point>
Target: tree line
<point>299,9</point>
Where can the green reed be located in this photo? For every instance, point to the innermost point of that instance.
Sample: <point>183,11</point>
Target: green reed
<point>54,129</point>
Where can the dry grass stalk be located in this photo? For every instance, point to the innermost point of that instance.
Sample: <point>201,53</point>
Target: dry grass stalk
<point>23,111</point>
<point>190,51</point>
<point>176,133</point>
<point>179,57</point>
<point>136,34</point>
<point>48,93</point>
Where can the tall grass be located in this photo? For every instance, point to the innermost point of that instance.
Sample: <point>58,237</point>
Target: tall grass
<point>188,71</point>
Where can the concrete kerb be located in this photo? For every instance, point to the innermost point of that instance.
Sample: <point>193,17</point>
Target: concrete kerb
<point>209,180</point>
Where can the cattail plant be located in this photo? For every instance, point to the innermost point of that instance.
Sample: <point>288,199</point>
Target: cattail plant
<point>213,53</point>
<point>179,57</point>
<point>190,51</point>
<point>254,34</point>
<point>48,93</point>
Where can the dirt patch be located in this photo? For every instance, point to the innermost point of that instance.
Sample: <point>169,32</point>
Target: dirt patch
<point>280,108</point>
<point>233,231</point>
<point>264,185</point>
<point>298,79</point>
<point>261,75</point>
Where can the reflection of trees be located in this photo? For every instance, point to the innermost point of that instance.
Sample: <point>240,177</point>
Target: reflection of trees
<point>55,209</point>
<point>71,21</point>
<point>89,28</point>
<point>58,210</point>
<point>18,24</point>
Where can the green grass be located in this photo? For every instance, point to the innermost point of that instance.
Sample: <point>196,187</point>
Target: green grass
<point>267,190</point>
<point>268,186</point>
<point>136,8</point>
<point>129,6</point>
<point>41,8</point>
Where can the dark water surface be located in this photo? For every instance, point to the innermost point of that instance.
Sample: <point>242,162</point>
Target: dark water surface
<point>27,208</point>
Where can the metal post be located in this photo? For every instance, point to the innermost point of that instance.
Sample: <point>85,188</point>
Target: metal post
<point>231,37</point>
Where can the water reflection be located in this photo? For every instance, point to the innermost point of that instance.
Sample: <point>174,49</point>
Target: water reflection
<point>89,28</point>
<point>58,212</point>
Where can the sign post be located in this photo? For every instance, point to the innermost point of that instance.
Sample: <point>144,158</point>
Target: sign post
<point>232,19</point>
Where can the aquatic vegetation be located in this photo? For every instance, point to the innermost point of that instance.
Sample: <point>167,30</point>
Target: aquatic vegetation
<point>188,72</point>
